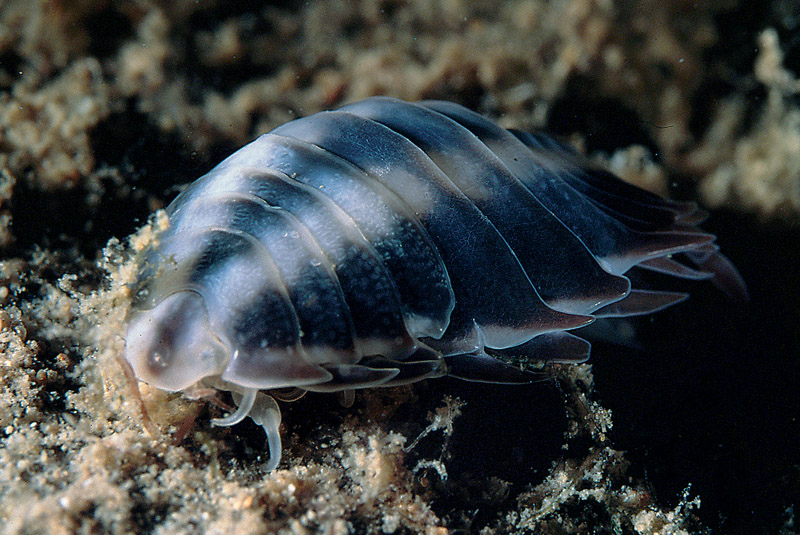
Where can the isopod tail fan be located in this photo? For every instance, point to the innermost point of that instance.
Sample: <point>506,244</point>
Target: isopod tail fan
<point>264,411</point>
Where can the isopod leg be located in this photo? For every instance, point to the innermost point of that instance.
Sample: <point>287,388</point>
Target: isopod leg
<point>264,411</point>
<point>245,406</point>
<point>347,398</point>
<point>267,414</point>
<point>287,395</point>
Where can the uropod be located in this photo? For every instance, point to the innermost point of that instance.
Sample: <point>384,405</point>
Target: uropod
<point>388,242</point>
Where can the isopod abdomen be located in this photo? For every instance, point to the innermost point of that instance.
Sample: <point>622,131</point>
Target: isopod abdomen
<point>389,242</point>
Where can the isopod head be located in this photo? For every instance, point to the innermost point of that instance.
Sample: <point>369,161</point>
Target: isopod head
<point>172,346</point>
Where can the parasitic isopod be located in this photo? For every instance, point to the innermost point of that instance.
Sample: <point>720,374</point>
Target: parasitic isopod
<point>387,242</point>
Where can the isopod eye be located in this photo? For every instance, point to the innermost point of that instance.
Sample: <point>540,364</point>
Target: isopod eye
<point>172,345</point>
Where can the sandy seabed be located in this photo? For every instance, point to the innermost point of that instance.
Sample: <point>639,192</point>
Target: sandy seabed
<point>106,108</point>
